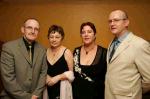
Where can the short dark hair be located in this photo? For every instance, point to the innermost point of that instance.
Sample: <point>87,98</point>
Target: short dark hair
<point>88,24</point>
<point>56,28</point>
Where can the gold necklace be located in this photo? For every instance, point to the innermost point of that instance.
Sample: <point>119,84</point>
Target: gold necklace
<point>87,52</point>
<point>55,52</point>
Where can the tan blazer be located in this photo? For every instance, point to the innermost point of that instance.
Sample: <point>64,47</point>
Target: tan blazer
<point>22,78</point>
<point>129,69</point>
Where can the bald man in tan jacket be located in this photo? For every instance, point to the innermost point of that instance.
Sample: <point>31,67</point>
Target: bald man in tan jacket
<point>128,70</point>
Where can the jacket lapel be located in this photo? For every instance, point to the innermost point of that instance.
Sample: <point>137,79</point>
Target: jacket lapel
<point>36,53</point>
<point>23,50</point>
<point>108,53</point>
<point>124,44</point>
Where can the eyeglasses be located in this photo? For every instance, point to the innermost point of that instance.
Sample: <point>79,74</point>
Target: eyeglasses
<point>31,28</point>
<point>115,20</point>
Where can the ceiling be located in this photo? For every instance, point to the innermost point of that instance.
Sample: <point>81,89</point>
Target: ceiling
<point>47,1</point>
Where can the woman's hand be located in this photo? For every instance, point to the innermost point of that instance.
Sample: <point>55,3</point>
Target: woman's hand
<point>63,77</point>
<point>50,81</point>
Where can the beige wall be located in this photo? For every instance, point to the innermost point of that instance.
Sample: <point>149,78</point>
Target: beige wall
<point>70,15</point>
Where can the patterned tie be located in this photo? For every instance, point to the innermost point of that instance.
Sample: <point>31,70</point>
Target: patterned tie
<point>30,52</point>
<point>115,43</point>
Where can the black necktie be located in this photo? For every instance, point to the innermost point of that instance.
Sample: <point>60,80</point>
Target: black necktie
<point>115,43</point>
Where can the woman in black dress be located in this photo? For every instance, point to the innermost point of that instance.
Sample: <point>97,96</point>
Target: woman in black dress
<point>89,66</point>
<point>59,60</point>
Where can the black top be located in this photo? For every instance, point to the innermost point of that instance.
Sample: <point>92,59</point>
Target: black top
<point>57,68</point>
<point>89,83</point>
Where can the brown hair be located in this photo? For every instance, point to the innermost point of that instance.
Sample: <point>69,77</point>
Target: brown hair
<point>56,28</point>
<point>88,24</point>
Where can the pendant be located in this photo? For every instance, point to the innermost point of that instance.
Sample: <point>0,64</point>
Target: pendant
<point>86,52</point>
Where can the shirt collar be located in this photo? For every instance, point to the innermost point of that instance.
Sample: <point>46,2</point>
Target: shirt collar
<point>27,44</point>
<point>121,38</point>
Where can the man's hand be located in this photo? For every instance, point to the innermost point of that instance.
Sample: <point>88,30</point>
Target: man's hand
<point>34,97</point>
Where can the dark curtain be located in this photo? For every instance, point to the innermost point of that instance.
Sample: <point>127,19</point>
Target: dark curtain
<point>1,86</point>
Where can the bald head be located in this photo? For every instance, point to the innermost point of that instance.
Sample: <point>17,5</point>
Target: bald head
<point>118,22</point>
<point>122,14</point>
<point>31,20</point>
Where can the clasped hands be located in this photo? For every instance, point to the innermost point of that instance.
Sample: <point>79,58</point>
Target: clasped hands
<point>68,75</point>
<point>50,81</point>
